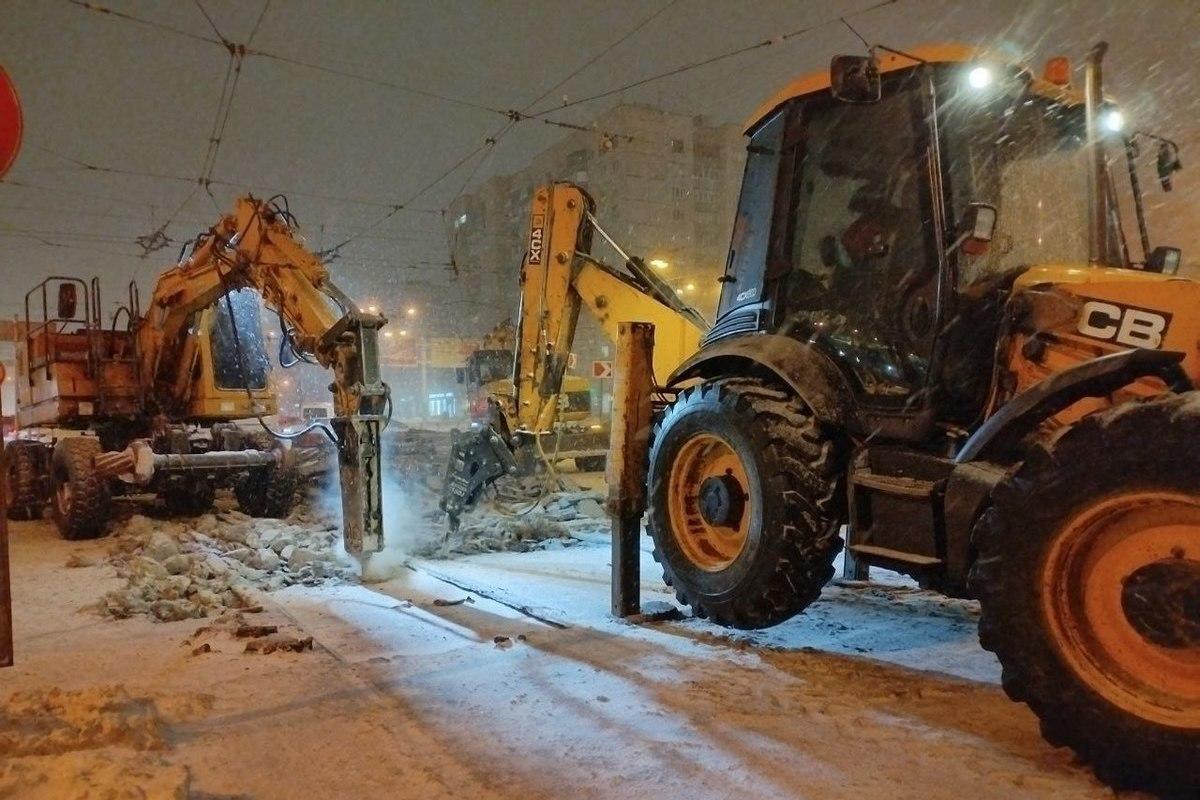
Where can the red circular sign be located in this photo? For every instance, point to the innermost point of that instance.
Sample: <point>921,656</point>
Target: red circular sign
<point>10,122</point>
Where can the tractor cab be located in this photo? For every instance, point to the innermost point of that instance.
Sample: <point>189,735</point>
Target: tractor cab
<point>889,206</point>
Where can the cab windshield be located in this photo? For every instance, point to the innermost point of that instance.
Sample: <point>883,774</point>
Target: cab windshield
<point>240,358</point>
<point>1026,155</point>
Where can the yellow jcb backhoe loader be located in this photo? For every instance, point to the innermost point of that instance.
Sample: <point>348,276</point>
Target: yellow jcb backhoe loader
<point>559,276</point>
<point>152,403</point>
<point>933,329</point>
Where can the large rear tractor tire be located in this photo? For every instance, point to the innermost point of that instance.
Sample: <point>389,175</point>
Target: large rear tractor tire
<point>743,502</point>
<point>82,502</point>
<point>268,492</point>
<point>24,463</point>
<point>1088,578</point>
<point>188,497</point>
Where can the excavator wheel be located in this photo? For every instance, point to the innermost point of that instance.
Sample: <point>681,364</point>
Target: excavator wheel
<point>82,502</point>
<point>25,498</point>
<point>742,504</point>
<point>1088,577</point>
<point>188,497</point>
<point>268,492</point>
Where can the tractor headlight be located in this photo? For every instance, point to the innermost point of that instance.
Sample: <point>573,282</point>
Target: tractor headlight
<point>1112,120</point>
<point>980,77</point>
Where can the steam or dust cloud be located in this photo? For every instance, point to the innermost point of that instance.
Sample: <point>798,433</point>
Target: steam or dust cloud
<point>401,523</point>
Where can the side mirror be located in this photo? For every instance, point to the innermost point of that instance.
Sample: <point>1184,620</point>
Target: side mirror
<point>1168,163</point>
<point>855,79</point>
<point>68,301</point>
<point>1164,259</point>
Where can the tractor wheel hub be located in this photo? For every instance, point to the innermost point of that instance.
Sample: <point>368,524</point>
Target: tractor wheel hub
<point>721,500</point>
<point>1162,602</point>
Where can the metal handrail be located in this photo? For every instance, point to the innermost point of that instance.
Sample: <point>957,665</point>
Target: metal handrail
<point>44,328</point>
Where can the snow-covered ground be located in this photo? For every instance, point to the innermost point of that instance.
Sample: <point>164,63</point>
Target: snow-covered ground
<point>527,688</point>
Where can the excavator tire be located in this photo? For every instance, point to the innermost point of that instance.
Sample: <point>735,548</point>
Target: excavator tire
<point>268,492</point>
<point>1088,577</point>
<point>188,498</point>
<point>743,502</point>
<point>25,500</point>
<point>82,502</point>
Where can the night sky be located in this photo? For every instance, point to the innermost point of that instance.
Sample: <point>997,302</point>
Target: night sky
<point>434,80</point>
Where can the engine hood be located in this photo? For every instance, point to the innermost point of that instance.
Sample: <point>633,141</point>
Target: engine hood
<point>1115,309</point>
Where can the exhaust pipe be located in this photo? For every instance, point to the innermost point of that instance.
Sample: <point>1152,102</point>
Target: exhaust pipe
<point>1098,244</point>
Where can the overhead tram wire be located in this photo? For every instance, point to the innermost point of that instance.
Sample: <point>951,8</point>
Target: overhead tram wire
<point>452,241</point>
<point>258,22</point>
<point>142,21</point>
<point>508,113</point>
<point>211,24</point>
<point>93,167</point>
<point>688,67</point>
<point>333,252</point>
<point>252,51</point>
<point>599,55</point>
<point>512,115</point>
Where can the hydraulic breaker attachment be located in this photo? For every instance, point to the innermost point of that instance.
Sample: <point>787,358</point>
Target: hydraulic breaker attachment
<point>477,459</point>
<point>362,482</point>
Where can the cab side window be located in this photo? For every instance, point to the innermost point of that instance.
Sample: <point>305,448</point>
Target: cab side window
<point>752,225</point>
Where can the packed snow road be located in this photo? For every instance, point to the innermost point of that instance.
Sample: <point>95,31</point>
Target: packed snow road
<point>502,675</point>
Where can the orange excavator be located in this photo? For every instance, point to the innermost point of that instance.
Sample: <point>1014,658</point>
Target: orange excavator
<point>150,401</point>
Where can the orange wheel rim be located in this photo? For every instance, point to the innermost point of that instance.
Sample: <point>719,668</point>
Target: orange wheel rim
<point>709,502</point>
<point>1117,586</point>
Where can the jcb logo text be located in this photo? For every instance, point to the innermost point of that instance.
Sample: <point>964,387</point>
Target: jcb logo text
<point>537,234</point>
<point>1132,327</point>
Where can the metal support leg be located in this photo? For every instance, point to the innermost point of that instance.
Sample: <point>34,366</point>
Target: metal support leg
<point>633,383</point>
<point>853,569</point>
<point>626,566</point>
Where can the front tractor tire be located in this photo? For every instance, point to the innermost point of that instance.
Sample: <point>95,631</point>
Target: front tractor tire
<point>1088,577</point>
<point>742,505</point>
<point>82,503</point>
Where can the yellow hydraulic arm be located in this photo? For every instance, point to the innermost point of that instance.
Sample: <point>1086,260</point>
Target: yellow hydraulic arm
<point>559,275</point>
<point>256,247</point>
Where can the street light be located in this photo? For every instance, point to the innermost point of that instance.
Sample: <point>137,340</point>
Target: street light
<point>411,311</point>
<point>387,334</point>
<point>659,263</point>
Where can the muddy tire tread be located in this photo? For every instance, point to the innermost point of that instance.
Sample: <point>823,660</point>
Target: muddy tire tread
<point>807,466</point>
<point>1105,452</point>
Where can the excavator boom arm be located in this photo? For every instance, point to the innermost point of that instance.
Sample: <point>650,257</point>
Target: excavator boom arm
<point>559,276</point>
